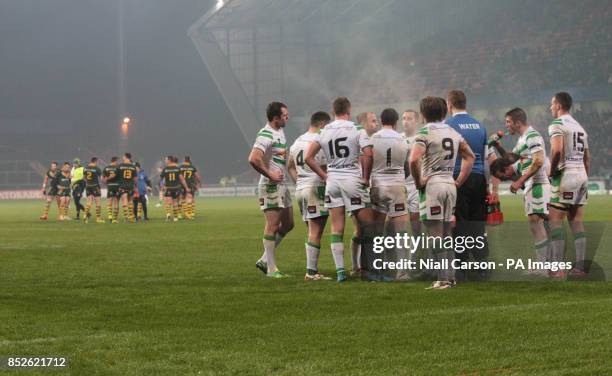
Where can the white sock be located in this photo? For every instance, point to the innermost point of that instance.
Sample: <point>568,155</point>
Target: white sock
<point>580,243</point>
<point>312,257</point>
<point>356,253</point>
<point>541,249</point>
<point>558,244</point>
<point>269,248</point>
<point>338,254</point>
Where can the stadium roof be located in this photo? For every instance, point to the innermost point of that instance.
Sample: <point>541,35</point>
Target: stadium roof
<point>246,13</point>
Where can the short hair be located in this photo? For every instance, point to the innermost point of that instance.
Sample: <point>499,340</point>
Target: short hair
<point>114,159</point>
<point>499,165</point>
<point>564,100</point>
<point>66,163</point>
<point>187,158</point>
<point>413,111</point>
<point>457,99</point>
<point>389,117</point>
<point>341,106</point>
<point>128,155</point>
<point>433,108</point>
<point>517,114</point>
<point>94,159</point>
<point>274,109</point>
<point>319,117</point>
<point>362,117</point>
<point>53,162</point>
<point>175,159</point>
<point>137,164</point>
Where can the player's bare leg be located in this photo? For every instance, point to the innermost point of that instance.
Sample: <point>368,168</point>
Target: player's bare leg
<point>575,217</point>
<point>338,219</point>
<point>313,248</point>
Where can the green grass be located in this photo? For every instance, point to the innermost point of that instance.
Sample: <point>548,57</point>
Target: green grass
<point>185,299</point>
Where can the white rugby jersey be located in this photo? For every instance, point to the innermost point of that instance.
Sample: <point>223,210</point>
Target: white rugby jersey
<point>274,146</point>
<point>390,155</point>
<point>305,176</point>
<point>409,142</point>
<point>575,141</point>
<point>342,143</point>
<point>528,144</point>
<point>441,144</point>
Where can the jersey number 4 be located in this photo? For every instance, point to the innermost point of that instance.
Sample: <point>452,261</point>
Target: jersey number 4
<point>336,149</point>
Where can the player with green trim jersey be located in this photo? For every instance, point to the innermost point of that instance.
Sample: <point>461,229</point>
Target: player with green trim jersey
<point>432,163</point>
<point>569,169</point>
<point>527,166</point>
<point>268,158</point>
<point>49,189</point>
<point>310,193</point>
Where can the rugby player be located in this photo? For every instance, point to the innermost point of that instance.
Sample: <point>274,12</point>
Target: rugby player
<point>49,189</point>
<point>128,186</point>
<point>569,169</point>
<point>435,150</point>
<point>268,157</point>
<point>174,182</point>
<point>192,178</point>
<point>110,176</point>
<point>346,149</point>
<point>92,174</point>
<point>387,182</point>
<point>63,191</point>
<point>310,193</point>
<point>528,160</point>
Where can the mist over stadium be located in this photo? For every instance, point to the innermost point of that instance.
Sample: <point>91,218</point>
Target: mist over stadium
<point>195,76</point>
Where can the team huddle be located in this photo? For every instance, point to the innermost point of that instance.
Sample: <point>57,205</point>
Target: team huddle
<point>127,186</point>
<point>385,179</point>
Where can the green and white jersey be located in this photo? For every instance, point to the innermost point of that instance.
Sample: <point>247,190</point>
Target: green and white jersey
<point>305,176</point>
<point>575,142</point>
<point>527,145</point>
<point>274,146</point>
<point>409,181</point>
<point>441,144</point>
<point>342,143</point>
<point>390,155</point>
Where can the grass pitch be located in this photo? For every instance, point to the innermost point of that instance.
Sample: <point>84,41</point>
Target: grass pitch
<point>185,299</point>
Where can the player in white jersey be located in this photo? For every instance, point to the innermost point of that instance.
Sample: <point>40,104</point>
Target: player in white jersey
<point>528,161</point>
<point>387,181</point>
<point>346,185</point>
<point>569,168</point>
<point>366,122</point>
<point>410,121</point>
<point>268,157</point>
<point>432,161</point>
<point>310,192</point>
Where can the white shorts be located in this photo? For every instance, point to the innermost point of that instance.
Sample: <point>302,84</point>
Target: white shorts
<point>570,188</point>
<point>273,196</point>
<point>537,198</point>
<point>390,200</point>
<point>348,192</point>
<point>437,201</point>
<point>413,198</point>
<point>311,202</point>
